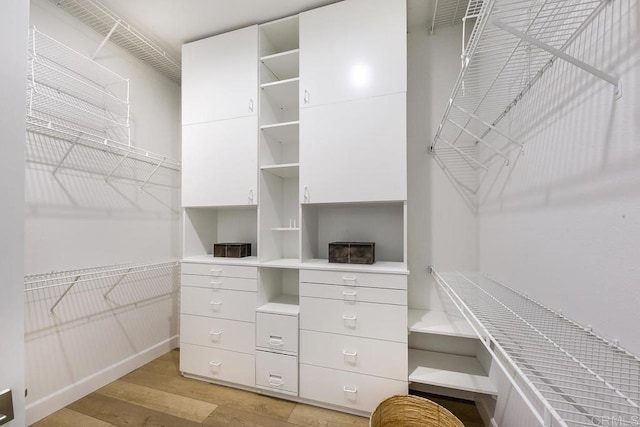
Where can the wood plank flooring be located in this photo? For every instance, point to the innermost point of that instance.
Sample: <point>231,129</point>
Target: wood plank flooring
<point>157,395</point>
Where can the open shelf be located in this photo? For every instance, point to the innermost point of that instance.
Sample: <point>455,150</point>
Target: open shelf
<point>208,259</point>
<point>450,371</point>
<point>283,132</point>
<point>287,305</point>
<point>379,266</point>
<point>440,323</point>
<point>282,65</point>
<point>289,170</point>
<point>285,229</point>
<point>293,263</point>
<point>561,369</point>
<point>282,94</point>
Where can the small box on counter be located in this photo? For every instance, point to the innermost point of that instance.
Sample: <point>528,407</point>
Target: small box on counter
<point>352,252</point>
<point>232,250</point>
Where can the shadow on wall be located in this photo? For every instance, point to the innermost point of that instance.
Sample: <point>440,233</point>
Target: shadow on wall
<point>580,143</point>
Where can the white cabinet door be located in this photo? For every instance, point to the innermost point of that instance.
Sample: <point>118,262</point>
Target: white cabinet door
<point>351,50</point>
<point>220,77</point>
<point>354,151</point>
<point>220,163</point>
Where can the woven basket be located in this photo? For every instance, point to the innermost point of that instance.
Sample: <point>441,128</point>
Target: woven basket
<point>409,411</point>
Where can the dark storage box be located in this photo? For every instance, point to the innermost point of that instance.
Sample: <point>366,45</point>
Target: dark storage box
<point>232,250</point>
<point>352,252</point>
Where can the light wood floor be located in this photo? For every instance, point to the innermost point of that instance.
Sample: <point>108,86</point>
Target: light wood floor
<point>157,395</point>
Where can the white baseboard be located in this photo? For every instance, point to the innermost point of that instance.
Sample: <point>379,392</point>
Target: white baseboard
<point>47,405</point>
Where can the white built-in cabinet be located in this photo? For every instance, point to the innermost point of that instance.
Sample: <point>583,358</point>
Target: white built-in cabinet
<point>313,152</point>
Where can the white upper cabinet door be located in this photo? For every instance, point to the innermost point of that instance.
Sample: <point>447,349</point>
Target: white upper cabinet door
<point>352,50</point>
<point>354,151</point>
<point>220,163</point>
<point>220,77</point>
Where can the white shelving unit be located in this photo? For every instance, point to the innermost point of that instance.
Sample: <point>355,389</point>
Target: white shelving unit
<point>288,305</point>
<point>282,65</point>
<point>511,46</point>
<point>289,170</point>
<point>562,370</point>
<point>440,323</point>
<point>78,118</point>
<point>283,132</point>
<point>106,23</point>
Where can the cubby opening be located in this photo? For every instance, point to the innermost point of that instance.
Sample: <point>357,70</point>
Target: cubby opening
<point>279,215</point>
<point>382,223</point>
<point>278,291</point>
<point>205,226</point>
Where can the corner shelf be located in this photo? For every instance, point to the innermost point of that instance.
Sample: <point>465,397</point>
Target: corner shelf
<point>440,323</point>
<point>450,371</point>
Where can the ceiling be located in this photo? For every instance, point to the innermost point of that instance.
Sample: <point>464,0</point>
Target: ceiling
<point>172,23</point>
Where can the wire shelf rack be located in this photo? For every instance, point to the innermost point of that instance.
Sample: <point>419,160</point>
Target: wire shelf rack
<point>78,118</point>
<point>448,12</point>
<point>512,44</point>
<point>112,27</point>
<point>55,286</point>
<point>573,376</point>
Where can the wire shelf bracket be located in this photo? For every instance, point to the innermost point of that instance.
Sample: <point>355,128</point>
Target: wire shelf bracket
<point>512,44</point>
<point>565,373</point>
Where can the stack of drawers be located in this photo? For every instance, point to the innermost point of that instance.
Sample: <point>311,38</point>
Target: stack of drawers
<point>217,329</point>
<point>277,349</point>
<point>353,337</point>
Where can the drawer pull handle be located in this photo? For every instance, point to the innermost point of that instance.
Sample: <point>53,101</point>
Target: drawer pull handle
<point>275,380</point>
<point>349,279</point>
<point>349,293</point>
<point>215,336</point>
<point>347,354</point>
<point>215,365</point>
<point>349,318</point>
<point>216,271</point>
<point>350,390</point>
<point>216,284</point>
<point>276,341</point>
<point>215,305</point>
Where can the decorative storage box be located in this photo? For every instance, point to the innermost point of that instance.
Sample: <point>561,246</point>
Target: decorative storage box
<point>352,252</point>
<point>232,250</point>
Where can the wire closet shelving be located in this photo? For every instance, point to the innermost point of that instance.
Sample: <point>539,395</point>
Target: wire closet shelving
<point>106,23</point>
<point>512,44</point>
<point>58,284</point>
<point>568,375</point>
<point>78,117</point>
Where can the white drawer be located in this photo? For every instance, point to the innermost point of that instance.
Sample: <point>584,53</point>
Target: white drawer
<point>350,278</point>
<point>362,355</point>
<point>354,293</point>
<point>218,333</point>
<point>355,391</point>
<point>232,283</point>
<point>276,332</point>
<point>220,270</point>
<point>362,319</point>
<point>223,304</point>
<point>277,371</point>
<point>218,364</point>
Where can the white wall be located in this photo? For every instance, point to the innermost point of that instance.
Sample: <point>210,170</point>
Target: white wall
<point>442,231</point>
<point>565,226</point>
<point>13,45</point>
<point>79,221</point>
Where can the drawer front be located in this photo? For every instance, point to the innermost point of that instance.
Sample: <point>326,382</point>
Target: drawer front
<point>351,278</point>
<point>223,365</point>
<point>276,332</point>
<point>362,355</point>
<point>348,389</point>
<point>223,304</point>
<point>211,282</point>
<point>277,371</point>
<point>362,319</point>
<point>220,270</point>
<point>218,333</point>
<point>354,293</point>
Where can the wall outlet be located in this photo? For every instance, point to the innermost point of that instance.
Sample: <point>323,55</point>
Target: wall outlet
<point>6,406</point>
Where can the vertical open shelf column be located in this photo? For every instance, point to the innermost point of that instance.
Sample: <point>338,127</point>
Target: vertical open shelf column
<point>279,142</point>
